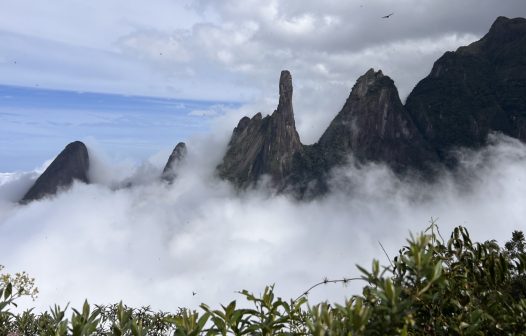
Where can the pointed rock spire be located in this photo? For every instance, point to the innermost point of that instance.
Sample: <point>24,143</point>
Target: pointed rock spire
<point>174,161</point>
<point>70,165</point>
<point>285,92</point>
<point>263,146</point>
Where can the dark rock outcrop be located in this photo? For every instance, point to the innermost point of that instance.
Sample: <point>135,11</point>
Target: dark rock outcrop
<point>469,93</point>
<point>263,146</point>
<point>174,161</point>
<point>477,89</point>
<point>71,164</point>
<point>374,126</point>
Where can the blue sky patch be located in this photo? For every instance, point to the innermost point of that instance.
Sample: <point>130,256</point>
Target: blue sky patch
<point>37,123</point>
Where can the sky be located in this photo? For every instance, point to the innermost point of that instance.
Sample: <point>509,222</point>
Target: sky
<point>227,51</point>
<point>132,78</point>
<point>37,123</point>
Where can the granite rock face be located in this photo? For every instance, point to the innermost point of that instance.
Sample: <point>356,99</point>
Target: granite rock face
<point>475,90</point>
<point>478,89</point>
<point>70,165</point>
<point>263,145</point>
<point>374,126</point>
<point>174,161</point>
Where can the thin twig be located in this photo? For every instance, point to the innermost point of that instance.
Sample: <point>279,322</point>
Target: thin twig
<point>434,225</point>
<point>327,281</point>
<point>387,255</point>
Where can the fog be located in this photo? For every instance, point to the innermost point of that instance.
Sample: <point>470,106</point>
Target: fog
<point>155,243</point>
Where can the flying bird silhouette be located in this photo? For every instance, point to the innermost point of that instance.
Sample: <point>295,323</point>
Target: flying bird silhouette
<point>194,293</point>
<point>387,16</point>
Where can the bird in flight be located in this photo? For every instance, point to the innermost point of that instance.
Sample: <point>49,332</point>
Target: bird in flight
<point>194,293</point>
<point>387,16</point>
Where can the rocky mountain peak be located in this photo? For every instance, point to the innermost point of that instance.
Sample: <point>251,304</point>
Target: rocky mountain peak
<point>373,125</point>
<point>507,29</point>
<point>503,31</point>
<point>174,161</point>
<point>478,89</point>
<point>285,89</point>
<point>263,146</point>
<point>70,165</point>
<point>284,114</point>
<point>367,81</point>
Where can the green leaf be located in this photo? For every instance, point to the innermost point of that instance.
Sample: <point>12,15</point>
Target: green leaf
<point>437,272</point>
<point>202,321</point>
<point>376,267</point>
<point>85,309</point>
<point>8,290</point>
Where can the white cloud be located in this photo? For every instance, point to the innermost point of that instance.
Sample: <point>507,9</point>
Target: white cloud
<point>156,243</point>
<point>164,48</point>
<point>212,111</point>
<point>232,48</point>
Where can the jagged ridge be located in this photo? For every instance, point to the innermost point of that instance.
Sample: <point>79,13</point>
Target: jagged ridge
<point>478,89</point>
<point>469,93</point>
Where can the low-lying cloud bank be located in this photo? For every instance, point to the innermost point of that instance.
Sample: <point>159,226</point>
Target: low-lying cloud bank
<point>155,244</point>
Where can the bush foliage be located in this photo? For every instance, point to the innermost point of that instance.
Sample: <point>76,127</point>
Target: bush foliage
<point>432,287</point>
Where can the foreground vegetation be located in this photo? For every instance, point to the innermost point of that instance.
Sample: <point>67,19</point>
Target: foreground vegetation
<point>433,287</point>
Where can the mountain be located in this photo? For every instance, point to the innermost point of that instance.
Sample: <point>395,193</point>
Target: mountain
<point>70,165</point>
<point>374,126</point>
<point>174,161</point>
<point>469,93</point>
<point>475,90</point>
<point>263,146</point>
<point>478,89</point>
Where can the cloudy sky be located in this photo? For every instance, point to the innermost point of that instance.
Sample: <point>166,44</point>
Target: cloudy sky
<point>232,50</point>
<point>132,78</point>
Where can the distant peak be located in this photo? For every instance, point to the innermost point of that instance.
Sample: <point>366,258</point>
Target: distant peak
<point>371,75</point>
<point>366,81</point>
<point>285,87</point>
<point>71,164</point>
<point>243,123</point>
<point>174,161</point>
<point>371,72</point>
<point>505,29</point>
<point>76,145</point>
<point>500,21</point>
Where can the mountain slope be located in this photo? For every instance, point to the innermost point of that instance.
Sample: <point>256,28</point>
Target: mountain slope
<point>477,89</point>
<point>70,165</point>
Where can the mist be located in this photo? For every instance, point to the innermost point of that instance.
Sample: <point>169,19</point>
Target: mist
<point>155,243</point>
